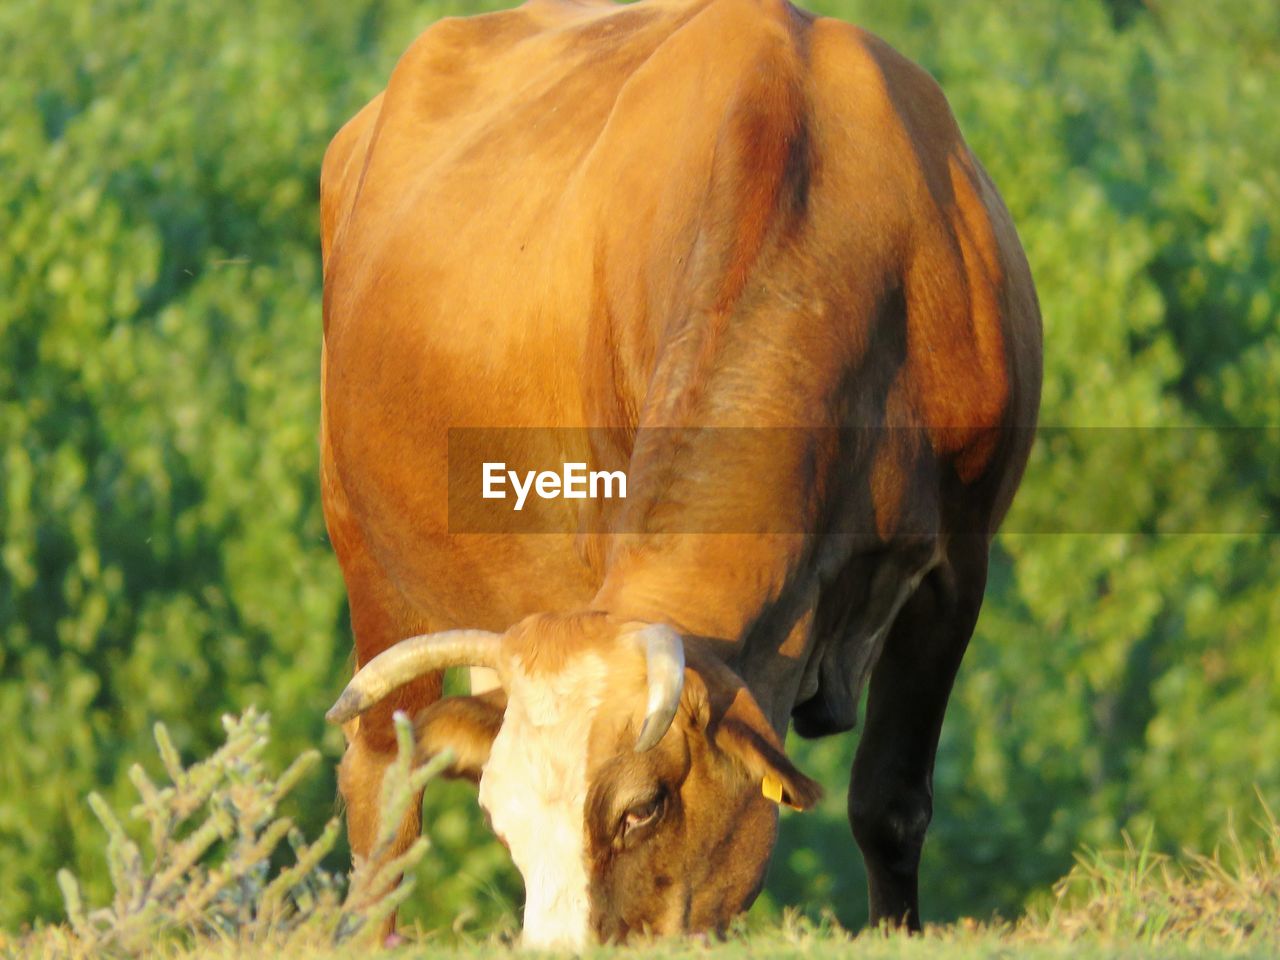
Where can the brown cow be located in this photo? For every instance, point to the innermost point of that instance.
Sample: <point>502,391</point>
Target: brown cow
<point>752,245</point>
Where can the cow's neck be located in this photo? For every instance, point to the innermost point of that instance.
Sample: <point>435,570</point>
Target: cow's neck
<point>726,479</point>
<point>745,599</point>
<point>716,534</point>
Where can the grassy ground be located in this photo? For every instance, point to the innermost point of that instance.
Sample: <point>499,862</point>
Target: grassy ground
<point>939,943</point>
<point>1126,904</point>
<point>200,886</point>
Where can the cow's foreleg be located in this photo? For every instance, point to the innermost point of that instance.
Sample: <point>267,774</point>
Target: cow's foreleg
<point>891,788</point>
<point>371,748</point>
<point>380,617</point>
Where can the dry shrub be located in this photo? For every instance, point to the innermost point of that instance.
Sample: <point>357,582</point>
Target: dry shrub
<point>212,834</point>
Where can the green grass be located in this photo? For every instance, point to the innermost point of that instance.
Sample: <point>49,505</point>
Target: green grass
<point>798,940</point>
<point>193,878</point>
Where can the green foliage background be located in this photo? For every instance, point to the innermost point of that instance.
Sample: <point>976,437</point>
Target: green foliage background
<point>162,554</point>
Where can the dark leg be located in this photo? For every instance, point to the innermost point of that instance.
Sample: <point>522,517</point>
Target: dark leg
<point>891,789</point>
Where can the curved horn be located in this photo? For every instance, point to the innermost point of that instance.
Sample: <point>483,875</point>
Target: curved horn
<point>410,659</point>
<point>664,656</point>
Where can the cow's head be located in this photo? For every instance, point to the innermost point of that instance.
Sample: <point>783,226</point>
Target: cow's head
<point>635,791</point>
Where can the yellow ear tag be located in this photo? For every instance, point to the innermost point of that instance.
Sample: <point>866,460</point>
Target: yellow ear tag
<point>771,788</point>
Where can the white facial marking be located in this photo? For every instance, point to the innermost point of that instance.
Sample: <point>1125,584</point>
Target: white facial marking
<point>534,787</point>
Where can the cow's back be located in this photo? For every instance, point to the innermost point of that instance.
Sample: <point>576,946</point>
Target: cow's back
<point>520,161</point>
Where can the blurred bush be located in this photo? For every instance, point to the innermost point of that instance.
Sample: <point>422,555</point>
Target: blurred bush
<point>162,555</point>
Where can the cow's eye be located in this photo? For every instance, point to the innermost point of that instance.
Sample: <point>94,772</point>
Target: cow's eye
<point>641,815</point>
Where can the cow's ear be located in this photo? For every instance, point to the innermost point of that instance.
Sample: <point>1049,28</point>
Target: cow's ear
<point>720,702</point>
<point>745,734</point>
<point>465,725</point>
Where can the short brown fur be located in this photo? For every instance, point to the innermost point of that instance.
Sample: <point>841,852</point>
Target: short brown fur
<point>678,214</point>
